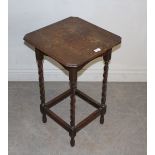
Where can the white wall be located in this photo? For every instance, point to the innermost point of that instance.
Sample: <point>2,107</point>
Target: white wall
<point>126,18</point>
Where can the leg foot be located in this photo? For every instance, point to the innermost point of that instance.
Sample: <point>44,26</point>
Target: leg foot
<point>102,119</point>
<point>44,118</point>
<point>72,141</point>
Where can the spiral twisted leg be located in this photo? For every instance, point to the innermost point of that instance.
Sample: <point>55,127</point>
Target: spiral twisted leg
<point>106,59</point>
<point>73,86</point>
<point>39,58</point>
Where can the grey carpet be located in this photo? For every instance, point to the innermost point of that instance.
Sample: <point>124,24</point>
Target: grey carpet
<point>123,133</point>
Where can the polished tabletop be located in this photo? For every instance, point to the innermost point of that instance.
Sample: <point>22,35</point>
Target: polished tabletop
<point>73,41</point>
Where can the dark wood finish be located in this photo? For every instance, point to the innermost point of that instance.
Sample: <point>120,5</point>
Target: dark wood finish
<point>57,99</point>
<point>88,99</point>
<point>73,85</point>
<point>39,58</point>
<point>57,119</point>
<point>106,58</point>
<point>87,120</point>
<point>71,41</point>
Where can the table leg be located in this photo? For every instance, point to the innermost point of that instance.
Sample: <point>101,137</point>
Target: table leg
<point>106,58</point>
<point>73,86</point>
<point>39,58</point>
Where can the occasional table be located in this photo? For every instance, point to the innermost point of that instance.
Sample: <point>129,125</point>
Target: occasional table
<point>72,42</point>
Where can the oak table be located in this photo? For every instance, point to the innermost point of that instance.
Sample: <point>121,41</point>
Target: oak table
<point>72,42</point>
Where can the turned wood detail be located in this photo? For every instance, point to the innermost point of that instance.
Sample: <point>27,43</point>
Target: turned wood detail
<point>73,86</point>
<point>39,58</point>
<point>106,58</point>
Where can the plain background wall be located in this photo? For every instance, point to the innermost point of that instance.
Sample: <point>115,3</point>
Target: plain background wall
<point>126,18</point>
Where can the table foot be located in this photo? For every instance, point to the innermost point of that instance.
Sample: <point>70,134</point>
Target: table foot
<point>44,118</point>
<point>72,141</point>
<point>102,119</point>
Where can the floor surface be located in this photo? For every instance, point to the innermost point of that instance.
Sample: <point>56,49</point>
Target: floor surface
<point>123,133</point>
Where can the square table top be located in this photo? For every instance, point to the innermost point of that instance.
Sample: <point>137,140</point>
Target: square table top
<point>73,41</point>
